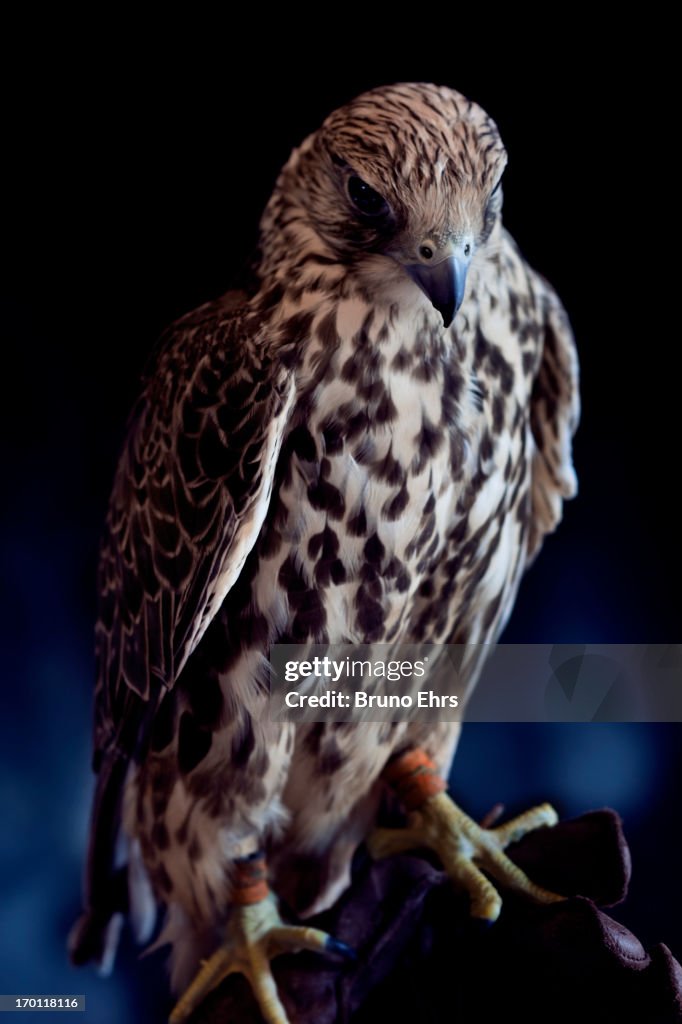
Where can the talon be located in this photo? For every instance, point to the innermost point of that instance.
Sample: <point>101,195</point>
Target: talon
<point>343,949</point>
<point>493,815</point>
<point>465,849</point>
<point>256,934</point>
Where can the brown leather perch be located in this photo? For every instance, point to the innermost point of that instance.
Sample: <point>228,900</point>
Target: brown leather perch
<point>421,960</point>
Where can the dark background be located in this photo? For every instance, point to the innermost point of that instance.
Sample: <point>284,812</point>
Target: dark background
<point>135,167</point>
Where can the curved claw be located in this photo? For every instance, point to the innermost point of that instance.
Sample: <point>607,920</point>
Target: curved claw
<point>342,948</point>
<point>296,938</point>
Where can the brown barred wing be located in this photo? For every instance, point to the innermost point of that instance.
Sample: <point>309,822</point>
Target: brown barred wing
<point>189,499</point>
<point>555,411</point>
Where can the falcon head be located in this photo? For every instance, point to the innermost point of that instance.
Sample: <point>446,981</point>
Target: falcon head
<point>403,183</point>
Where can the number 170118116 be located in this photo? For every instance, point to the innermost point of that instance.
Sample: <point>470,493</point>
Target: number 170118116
<point>42,1003</point>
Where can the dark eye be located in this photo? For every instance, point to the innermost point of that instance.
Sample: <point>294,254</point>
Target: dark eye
<point>365,199</point>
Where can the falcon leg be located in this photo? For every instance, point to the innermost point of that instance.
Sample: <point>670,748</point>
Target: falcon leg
<point>255,935</point>
<point>465,849</point>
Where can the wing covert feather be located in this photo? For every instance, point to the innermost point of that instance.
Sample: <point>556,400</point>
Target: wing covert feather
<point>190,495</point>
<point>555,411</point>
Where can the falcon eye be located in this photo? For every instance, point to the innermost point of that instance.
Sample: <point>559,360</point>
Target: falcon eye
<point>365,199</point>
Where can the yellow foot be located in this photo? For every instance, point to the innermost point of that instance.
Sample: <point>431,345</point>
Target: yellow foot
<point>255,935</point>
<point>465,847</point>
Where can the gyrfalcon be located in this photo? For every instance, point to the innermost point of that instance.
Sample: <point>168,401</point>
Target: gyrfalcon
<point>367,446</point>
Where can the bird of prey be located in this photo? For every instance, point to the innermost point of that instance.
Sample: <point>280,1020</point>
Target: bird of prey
<point>366,446</point>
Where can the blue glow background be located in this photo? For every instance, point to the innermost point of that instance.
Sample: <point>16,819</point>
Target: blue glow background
<point>135,187</point>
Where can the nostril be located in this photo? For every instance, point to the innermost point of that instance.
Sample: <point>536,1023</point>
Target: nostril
<point>426,252</point>
<point>467,250</point>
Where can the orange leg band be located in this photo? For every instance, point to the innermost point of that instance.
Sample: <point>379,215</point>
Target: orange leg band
<point>250,881</point>
<point>414,777</point>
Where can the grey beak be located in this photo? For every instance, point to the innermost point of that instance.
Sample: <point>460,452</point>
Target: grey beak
<point>443,283</point>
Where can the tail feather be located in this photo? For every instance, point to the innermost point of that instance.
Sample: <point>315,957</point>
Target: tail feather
<point>106,885</point>
<point>141,896</point>
<point>94,936</point>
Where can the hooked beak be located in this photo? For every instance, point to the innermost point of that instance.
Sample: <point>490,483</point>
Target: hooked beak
<point>443,283</point>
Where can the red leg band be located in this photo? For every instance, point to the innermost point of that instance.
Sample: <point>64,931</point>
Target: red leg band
<point>414,777</point>
<point>250,881</point>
